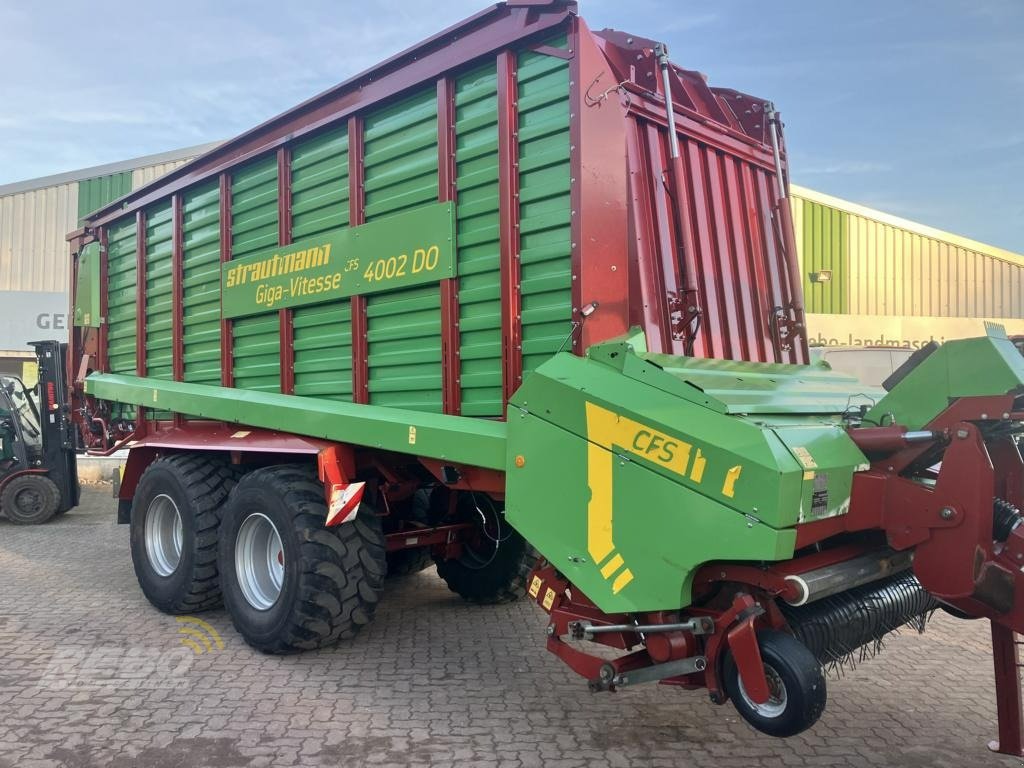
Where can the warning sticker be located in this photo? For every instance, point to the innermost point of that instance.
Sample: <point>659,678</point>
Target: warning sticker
<point>804,457</point>
<point>819,495</point>
<point>535,586</point>
<point>549,599</point>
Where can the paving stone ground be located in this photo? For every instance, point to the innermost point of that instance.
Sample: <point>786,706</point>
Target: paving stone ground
<point>91,675</point>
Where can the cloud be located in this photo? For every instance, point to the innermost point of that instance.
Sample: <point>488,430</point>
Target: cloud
<point>913,210</point>
<point>685,23</point>
<point>843,167</point>
<point>1009,141</point>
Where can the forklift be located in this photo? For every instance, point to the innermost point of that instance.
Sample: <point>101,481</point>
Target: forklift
<point>38,468</point>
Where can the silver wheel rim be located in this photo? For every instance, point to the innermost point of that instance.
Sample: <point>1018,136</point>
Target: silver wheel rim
<point>164,535</point>
<point>259,561</point>
<point>777,698</point>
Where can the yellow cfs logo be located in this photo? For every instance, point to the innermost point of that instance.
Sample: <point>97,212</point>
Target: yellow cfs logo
<point>607,430</point>
<point>660,448</point>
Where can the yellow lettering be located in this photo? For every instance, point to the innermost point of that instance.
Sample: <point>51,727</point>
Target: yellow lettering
<point>699,463</point>
<point>729,486</point>
<point>640,436</point>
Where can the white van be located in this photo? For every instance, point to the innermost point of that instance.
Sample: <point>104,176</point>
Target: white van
<point>872,365</point>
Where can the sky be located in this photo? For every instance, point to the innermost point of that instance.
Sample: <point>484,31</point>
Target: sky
<point>914,107</point>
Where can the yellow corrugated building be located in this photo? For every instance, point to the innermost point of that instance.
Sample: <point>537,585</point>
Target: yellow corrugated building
<point>872,278</point>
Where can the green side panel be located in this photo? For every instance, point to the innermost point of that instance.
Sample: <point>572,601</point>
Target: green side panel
<point>478,241</point>
<point>649,450</point>
<point>744,388</point>
<point>122,293</point>
<point>662,539</point>
<point>256,341</point>
<point>769,480</point>
<point>97,192</point>
<point>159,297</point>
<point>403,327</point>
<point>320,184</point>
<point>480,442</point>
<point>87,291</point>
<point>414,247</point>
<point>544,207</point>
<point>323,333</point>
<point>826,242</point>
<point>201,283</point>
<point>981,367</point>
<point>323,350</point>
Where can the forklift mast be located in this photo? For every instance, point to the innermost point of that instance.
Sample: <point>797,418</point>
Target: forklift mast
<point>55,420</point>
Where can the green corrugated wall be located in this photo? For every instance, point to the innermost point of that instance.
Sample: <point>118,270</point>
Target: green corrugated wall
<point>322,333</point>
<point>544,207</point>
<point>97,192</point>
<point>256,343</point>
<point>159,300</point>
<point>403,327</point>
<point>122,292</point>
<point>160,307</point>
<point>201,284</point>
<point>824,240</point>
<point>478,241</point>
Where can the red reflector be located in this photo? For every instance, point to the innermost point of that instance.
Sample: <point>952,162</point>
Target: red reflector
<point>344,502</point>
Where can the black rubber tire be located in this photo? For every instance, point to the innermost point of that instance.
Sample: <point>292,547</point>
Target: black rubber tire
<point>406,562</point>
<point>63,509</point>
<point>30,500</point>
<point>489,577</point>
<point>800,674</point>
<point>333,577</point>
<point>199,485</point>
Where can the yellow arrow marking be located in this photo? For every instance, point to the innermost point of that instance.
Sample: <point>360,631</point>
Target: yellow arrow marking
<point>607,431</point>
<point>612,566</point>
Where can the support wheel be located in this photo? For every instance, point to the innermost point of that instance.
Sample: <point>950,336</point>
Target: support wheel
<point>795,680</point>
<point>174,520</point>
<point>289,583</point>
<point>30,500</point>
<point>495,562</point>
